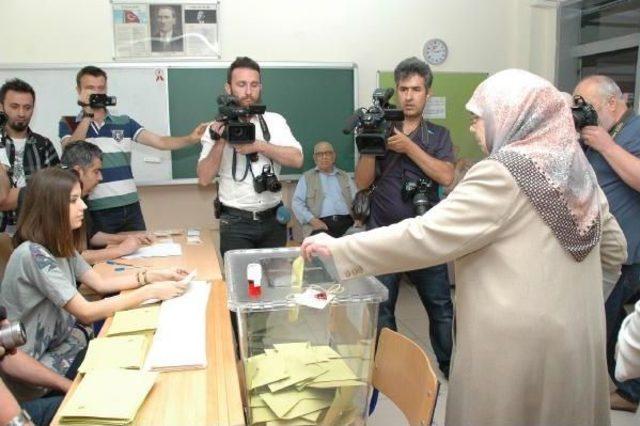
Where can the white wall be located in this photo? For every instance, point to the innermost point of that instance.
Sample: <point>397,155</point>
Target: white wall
<point>483,36</point>
<point>486,35</point>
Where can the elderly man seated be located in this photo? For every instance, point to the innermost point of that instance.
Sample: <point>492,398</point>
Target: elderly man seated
<point>322,200</point>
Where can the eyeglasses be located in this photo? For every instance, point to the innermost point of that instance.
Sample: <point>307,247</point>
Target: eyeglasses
<point>323,154</point>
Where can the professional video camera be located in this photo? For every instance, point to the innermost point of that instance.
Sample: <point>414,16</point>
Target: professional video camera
<point>12,335</point>
<point>421,192</point>
<point>266,181</point>
<point>230,113</point>
<point>584,114</point>
<point>372,125</point>
<point>3,118</point>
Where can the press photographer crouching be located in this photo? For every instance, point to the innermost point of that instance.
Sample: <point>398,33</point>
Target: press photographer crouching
<point>611,136</point>
<point>403,179</point>
<point>246,146</point>
<point>19,366</point>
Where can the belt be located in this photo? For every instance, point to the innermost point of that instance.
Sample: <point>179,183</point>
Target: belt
<point>336,217</point>
<point>245,214</point>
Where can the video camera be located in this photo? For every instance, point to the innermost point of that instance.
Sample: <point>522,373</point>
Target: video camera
<point>230,112</point>
<point>3,118</point>
<point>12,335</point>
<point>584,114</point>
<point>419,193</point>
<point>372,125</point>
<point>99,100</point>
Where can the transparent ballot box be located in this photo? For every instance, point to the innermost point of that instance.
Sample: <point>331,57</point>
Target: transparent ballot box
<point>304,363</point>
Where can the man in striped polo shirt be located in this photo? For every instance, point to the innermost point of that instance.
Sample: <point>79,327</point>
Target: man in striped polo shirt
<point>114,204</point>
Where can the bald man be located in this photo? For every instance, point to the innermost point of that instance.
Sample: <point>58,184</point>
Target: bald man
<point>324,195</point>
<point>613,149</point>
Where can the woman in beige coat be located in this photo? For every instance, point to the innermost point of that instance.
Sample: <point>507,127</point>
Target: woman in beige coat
<point>530,233</point>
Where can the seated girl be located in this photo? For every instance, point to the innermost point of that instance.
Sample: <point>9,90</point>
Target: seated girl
<point>39,286</point>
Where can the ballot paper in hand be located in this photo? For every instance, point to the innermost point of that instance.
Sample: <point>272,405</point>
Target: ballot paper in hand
<point>107,397</point>
<point>156,250</point>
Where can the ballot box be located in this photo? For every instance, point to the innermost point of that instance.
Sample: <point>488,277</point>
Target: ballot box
<point>306,340</point>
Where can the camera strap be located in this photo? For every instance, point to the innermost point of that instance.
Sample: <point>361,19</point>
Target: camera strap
<point>617,128</point>
<point>266,135</point>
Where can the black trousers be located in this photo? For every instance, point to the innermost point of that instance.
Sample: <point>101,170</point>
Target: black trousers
<point>337,224</point>
<point>242,233</point>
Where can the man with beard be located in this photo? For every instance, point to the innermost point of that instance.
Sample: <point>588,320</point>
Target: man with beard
<point>248,217</point>
<point>26,151</point>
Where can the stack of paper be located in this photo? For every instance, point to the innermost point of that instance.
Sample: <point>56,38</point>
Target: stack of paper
<point>135,320</point>
<point>128,351</point>
<point>180,339</point>
<point>156,250</point>
<point>297,383</point>
<point>107,397</point>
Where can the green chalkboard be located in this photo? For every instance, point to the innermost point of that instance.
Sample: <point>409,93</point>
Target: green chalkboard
<point>456,88</point>
<point>314,101</point>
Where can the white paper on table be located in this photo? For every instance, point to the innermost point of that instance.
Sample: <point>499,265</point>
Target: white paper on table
<point>180,339</point>
<point>156,250</point>
<point>185,280</point>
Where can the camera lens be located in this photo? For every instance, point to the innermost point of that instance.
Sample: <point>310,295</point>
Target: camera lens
<point>13,335</point>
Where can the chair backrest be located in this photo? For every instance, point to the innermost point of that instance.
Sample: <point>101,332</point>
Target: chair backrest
<point>403,373</point>
<point>6,248</point>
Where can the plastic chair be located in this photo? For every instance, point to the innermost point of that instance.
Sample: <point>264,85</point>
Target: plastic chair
<point>404,374</point>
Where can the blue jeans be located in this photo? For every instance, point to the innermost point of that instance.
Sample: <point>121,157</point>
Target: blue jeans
<point>119,219</point>
<point>433,288</point>
<point>626,290</point>
<point>43,409</point>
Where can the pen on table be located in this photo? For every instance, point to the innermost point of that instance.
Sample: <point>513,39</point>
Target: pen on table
<point>123,265</point>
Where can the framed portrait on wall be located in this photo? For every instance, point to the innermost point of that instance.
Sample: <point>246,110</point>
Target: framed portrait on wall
<point>165,29</point>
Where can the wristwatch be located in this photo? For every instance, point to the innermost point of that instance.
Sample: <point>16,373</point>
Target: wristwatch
<point>86,114</point>
<point>22,419</point>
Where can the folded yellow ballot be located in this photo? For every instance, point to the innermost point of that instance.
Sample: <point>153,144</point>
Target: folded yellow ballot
<point>108,397</point>
<point>135,320</point>
<point>127,351</point>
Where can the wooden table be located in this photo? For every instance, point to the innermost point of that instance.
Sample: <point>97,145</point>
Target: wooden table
<point>208,396</point>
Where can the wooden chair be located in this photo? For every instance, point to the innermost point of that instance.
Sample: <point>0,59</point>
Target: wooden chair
<point>404,374</point>
<point>6,248</point>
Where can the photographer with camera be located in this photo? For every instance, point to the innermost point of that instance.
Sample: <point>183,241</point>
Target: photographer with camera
<point>22,151</point>
<point>419,158</point>
<point>114,204</point>
<point>612,146</point>
<point>246,147</point>
<point>22,367</point>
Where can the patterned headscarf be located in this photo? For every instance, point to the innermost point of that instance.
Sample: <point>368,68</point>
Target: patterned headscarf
<point>529,129</point>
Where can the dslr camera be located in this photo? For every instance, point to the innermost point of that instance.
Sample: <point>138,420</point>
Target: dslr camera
<point>373,125</point>
<point>421,192</point>
<point>266,181</point>
<point>100,100</point>
<point>12,335</point>
<point>584,114</point>
<point>231,113</point>
<point>3,118</point>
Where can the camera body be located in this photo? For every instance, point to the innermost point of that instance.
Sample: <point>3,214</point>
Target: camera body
<point>101,100</point>
<point>3,118</point>
<point>266,181</point>
<point>373,125</point>
<point>584,114</point>
<point>230,112</point>
<point>13,334</point>
<point>421,192</point>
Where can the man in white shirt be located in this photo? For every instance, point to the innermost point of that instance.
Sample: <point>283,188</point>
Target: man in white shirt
<point>247,217</point>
